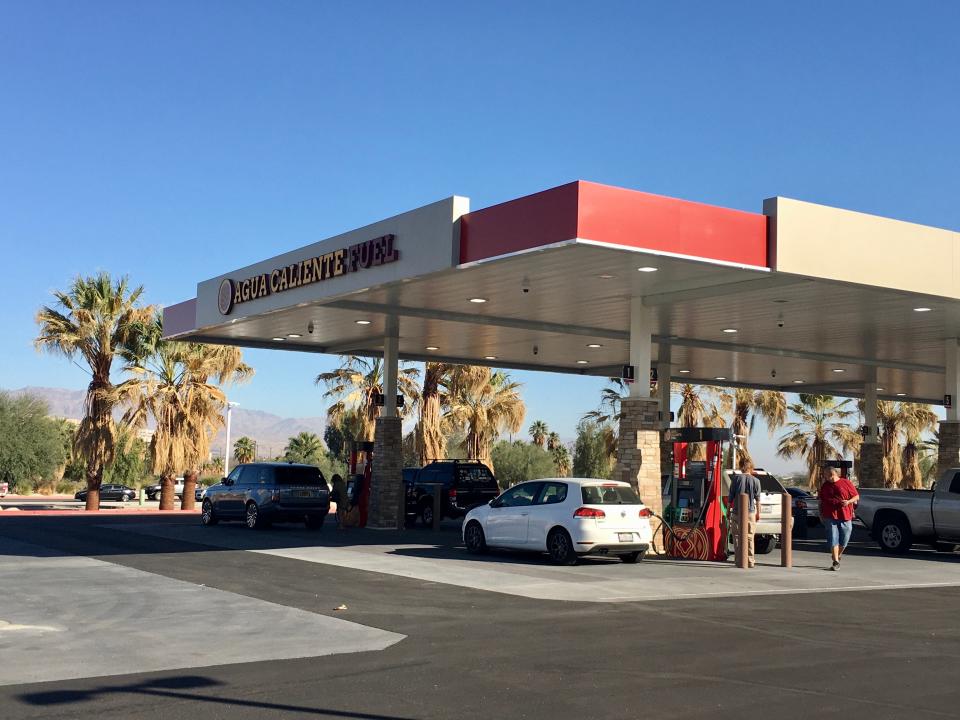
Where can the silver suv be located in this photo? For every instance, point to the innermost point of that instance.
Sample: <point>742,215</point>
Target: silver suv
<point>262,493</point>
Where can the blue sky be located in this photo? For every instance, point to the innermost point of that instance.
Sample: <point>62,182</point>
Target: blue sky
<point>172,141</point>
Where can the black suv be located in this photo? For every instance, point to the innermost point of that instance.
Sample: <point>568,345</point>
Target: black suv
<point>466,484</point>
<point>262,493</point>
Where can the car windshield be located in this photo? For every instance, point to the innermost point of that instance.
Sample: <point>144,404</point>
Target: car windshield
<point>298,475</point>
<point>769,484</point>
<point>609,495</point>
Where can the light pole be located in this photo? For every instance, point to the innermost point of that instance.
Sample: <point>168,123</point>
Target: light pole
<point>226,455</point>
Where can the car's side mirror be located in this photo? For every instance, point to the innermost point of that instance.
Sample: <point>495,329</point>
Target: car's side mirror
<point>495,503</point>
<point>226,481</point>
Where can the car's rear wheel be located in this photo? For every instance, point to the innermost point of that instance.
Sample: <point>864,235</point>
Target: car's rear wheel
<point>207,515</point>
<point>426,514</point>
<point>893,534</point>
<point>560,547</point>
<point>631,557</point>
<point>313,522</point>
<point>474,538</point>
<point>764,544</point>
<point>254,518</point>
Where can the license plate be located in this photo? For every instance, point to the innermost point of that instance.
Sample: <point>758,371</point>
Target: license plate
<point>625,537</point>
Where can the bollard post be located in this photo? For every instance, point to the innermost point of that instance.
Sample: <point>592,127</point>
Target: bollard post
<point>143,496</point>
<point>743,529</point>
<point>786,530</point>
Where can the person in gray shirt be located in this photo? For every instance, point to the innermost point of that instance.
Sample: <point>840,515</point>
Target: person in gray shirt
<point>744,482</point>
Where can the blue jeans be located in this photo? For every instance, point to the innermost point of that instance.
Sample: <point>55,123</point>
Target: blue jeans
<point>838,533</point>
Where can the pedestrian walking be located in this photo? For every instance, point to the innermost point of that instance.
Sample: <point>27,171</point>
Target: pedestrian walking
<point>339,495</point>
<point>838,497</point>
<point>744,482</point>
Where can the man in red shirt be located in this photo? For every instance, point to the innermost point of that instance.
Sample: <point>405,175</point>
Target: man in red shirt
<point>838,497</point>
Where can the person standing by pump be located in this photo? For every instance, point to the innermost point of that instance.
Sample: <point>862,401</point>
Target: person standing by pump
<point>838,497</point>
<point>339,495</point>
<point>744,482</point>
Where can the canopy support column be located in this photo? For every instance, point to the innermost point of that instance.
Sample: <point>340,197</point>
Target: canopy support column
<point>949,453</point>
<point>870,468</point>
<point>386,483</point>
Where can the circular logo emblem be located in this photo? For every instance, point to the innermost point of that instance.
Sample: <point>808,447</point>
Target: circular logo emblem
<point>225,296</point>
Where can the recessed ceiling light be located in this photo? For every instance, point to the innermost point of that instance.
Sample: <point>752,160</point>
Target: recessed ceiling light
<point>719,378</point>
<point>478,300</point>
<point>594,345</point>
<point>922,309</point>
<point>489,357</point>
<point>901,394</point>
<point>647,268</point>
<point>605,276</point>
<point>684,372</point>
<point>798,382</point>
<point>432,347</point>
<point>780,301</point>
<point>279,339</point>
<point>879,389</point>
<point>294,335</point>
<point>582,362</point>
<point>363,322</point>
<point>839,370</point>
<point>730,330</point>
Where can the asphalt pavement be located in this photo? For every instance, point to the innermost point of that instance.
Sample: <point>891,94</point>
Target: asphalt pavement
<point>445,650</point>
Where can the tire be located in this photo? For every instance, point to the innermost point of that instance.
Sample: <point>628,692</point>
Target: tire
<point>207,516</point>
<point>631,557</point>
<point>313,522</point>
<point>426,514</point>
<point>764,544</point>
<point>560,547</point>
<point>253,518</point>
<point>893,534</point>
<point>474,538</point>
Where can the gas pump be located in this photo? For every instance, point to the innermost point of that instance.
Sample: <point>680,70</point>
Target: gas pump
<point>358,486</point>
<point>696,515</point>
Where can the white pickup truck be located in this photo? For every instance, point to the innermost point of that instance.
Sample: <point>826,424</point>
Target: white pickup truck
<point>898,518</point>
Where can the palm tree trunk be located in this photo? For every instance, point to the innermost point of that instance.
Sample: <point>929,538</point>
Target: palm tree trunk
<point>430,441</point>
<point>167,495</point>
<point>189,501</point>
<point>94,478</point>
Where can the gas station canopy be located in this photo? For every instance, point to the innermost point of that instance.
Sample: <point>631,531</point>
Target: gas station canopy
<point>801,297</point>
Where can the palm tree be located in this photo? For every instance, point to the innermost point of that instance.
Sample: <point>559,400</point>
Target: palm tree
<point>96,320</point>
<point>747,406</point>
<point>607,415</point>
<point>700,406</point>
<point>431,433</point>
<point>553,441</point>
<point>820,431</point>
<point>356,385</point>
<point>561,460</point>
<point>173,386</point>
<point>538,432</point>
<point>917,419</point>
<point>244,450</point>
<point>484,405</point>
<point>910,420</point>
<point>305,447</point>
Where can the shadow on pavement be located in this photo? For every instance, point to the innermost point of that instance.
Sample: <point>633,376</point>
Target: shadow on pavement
<point>175,687</point>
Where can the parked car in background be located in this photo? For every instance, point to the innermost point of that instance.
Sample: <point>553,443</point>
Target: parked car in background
<point>767,533</point>
<point>466,484</point>
<point>898,518</point>
<point>565,517</point>
<point>4,488</point>
<point>114,493</point>
<point>153,491</point>
<point>263,493</point>
<point>805,504</point>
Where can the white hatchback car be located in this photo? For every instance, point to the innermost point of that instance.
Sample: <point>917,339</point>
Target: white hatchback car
<point>566,517</point>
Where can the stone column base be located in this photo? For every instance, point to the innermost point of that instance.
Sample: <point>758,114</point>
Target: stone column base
<point>638,454</point>
<point>870,468</point>
<point>386,483</point>
<point>949,453</point>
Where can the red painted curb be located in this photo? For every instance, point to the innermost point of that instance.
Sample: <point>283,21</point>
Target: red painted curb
<point>80,512</point>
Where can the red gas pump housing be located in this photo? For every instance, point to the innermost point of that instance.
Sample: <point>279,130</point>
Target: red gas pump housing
<point>361,468</point>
